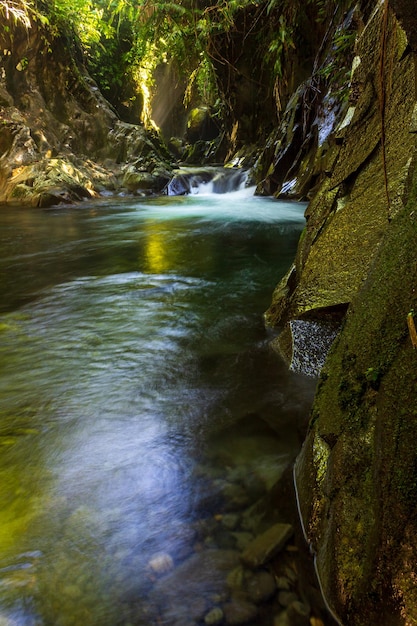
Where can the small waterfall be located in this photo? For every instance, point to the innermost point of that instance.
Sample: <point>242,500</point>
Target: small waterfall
<point>206,180</point>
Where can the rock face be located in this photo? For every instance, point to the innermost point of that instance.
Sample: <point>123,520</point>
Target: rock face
<point>60,140</point>
<point>371,152</point>
<point>357,473</point>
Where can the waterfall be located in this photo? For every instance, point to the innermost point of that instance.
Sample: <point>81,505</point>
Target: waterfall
<point>206,180</point>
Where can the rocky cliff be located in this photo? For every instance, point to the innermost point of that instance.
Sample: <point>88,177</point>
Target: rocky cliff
<point>60,140</point>
<point>357,473</point>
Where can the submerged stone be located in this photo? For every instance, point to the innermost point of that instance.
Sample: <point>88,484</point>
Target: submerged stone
<point>215,616</point>
<point>239,611</point>
<point>261,587</point>
<point>267,545</point>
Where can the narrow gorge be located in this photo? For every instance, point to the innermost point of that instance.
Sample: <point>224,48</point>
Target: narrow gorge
<point>313,106</point>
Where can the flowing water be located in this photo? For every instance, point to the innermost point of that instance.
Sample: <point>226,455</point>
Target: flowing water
<point>140,404</point>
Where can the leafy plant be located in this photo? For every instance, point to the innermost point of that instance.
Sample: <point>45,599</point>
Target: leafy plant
<point>16,12</point>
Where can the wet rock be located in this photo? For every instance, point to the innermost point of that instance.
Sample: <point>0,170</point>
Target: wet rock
<point>267,545</point>
<point>201,125</point>
<point>230,521</point>
<point>254,486</point>
<point>261,587</point>
<point>310,345</point>
<point>282,619</point>
<point>135,180</point>
<point>299,613</point>
<point>213,617</point>
<point>235,497</point>
<point>224,540</point>
<point>188,592</point>
<point>142,180</point>
<point>285,598</point>
<point>239,611</point>
<point>283,583</point>
<point>243,539</point>
<point>236,578</point>
<point>160,564</point>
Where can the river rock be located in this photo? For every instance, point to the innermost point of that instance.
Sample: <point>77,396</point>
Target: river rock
<point>161,564</point>
<point>239,611</point>
<point>235,497</point>
<point>299,613</point>
<point>267,545</point>
<point>243,539</point>
<point>285,598</point>
<point>230,521</point>
<point>213,617</point>
<point>282,619</point>
<point>283,583</point>
<point>224,539</point>
<point>190,591</point>
<point>236,578</point>
<point>261,587</point>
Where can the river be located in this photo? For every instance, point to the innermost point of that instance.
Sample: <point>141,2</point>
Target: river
<point>142,410</point>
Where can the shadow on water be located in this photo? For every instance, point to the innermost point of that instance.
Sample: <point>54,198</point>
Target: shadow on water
<point>145,422</point>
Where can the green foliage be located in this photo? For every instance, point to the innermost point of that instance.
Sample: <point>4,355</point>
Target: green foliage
<point>19,11</point>
<point>280,44</point>
<point>124,41</point>
<point>337,70</point>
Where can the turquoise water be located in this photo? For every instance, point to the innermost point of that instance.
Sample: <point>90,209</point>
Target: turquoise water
<point>135,380</point>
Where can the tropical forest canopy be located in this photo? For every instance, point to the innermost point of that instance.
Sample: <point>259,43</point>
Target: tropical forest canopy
<point>123,42</point>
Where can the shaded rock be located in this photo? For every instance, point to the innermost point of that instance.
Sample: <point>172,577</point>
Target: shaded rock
<point>283,619</point>
<point>285,598</point>
<point>230,521</point>
<point>267,545</point>
<point>283,583</point>
<point>254,485</point>
<point>213,617</point>
<point>236,578</point>
<point>235,497</point>
<point>224,539</point>
<point>201,125</point>
<point>201,578</point>
<point>261,587</point>
<point>299,613</point>
<point>243,539</point>
<point>239,611</point>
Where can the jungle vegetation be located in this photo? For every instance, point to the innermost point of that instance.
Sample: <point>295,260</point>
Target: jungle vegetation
<point>124,41</point>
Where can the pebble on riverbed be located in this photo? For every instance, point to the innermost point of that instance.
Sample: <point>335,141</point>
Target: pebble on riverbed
<point>233,574</point>
<point>261,587</point>
<point>214,617</point>
<point>160,564</point>
<point>239,611</point>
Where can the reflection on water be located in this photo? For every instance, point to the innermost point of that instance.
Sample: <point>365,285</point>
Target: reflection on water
<point>139,403</point>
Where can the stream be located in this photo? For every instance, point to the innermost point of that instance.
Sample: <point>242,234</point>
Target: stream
<point>143,413</point>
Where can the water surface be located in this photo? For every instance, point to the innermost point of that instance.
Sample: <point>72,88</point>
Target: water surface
<point>135,380</point>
